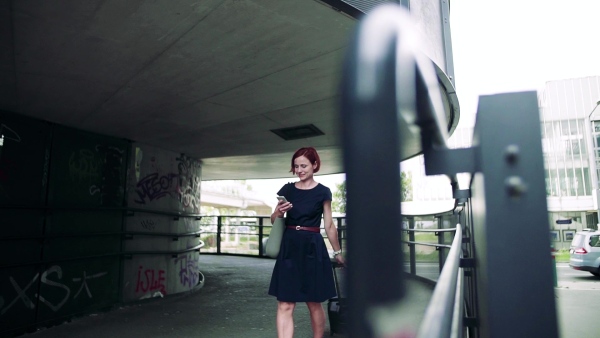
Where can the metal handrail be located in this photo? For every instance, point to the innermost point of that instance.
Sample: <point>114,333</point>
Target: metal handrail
<point>103,209</point>
<point>389,88</point>
<point>431,230</point>
<point>97,234</point>
<point>447,246</point>
<point>441,314</point>
<point>173,253</point>
<point>125,254</point>
<point>164,234</point>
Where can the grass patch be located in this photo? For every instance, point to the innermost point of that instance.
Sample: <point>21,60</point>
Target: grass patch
<point>562,256</point>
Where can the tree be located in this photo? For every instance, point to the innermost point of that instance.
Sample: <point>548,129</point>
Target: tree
<point>339,198</point>
<point>406,182</point>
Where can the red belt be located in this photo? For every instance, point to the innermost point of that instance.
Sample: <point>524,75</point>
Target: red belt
<point>297,227</point>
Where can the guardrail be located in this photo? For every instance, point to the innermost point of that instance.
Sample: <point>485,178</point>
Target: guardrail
<point>444,314</point>
<point>245,235</point>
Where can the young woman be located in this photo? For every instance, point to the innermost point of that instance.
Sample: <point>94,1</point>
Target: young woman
<point>303,271</point>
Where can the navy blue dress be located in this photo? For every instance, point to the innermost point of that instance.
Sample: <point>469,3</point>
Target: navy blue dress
<point>303,271</point>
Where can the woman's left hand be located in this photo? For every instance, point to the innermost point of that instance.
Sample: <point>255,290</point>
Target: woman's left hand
<point>340,259</point>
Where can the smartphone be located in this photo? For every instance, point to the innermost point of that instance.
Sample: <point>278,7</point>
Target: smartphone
<point>282,198</point>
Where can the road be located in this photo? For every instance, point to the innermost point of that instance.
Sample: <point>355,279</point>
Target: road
<point>577,302</point>
<point>574,279</point>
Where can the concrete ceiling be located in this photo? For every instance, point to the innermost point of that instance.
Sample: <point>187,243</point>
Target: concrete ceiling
<point>207,78</point>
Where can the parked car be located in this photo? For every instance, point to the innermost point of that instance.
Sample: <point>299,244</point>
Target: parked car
<point>584,253</point>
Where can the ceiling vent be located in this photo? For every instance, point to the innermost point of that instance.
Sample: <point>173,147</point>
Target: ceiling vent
<point>298,132</point>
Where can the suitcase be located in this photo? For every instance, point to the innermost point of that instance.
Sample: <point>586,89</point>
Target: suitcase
<point>337,310</point>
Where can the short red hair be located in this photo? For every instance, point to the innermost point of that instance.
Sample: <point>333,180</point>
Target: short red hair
<point>311,154</point>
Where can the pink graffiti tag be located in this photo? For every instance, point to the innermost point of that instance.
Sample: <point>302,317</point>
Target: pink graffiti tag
<point>150,280</point>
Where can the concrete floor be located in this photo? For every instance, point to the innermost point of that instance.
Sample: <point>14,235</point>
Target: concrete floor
<point>232,303</point>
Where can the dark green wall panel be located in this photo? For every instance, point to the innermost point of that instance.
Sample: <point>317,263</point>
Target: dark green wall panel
<point>70,247</point>
<point>21,223</point>
<point>20,251</point>
<point>18,301</point>
<point>87,170</point>
<point>23,160</point>
<point>83,222</point>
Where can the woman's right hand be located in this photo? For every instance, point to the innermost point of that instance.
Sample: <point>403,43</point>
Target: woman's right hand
<point>283,207</point>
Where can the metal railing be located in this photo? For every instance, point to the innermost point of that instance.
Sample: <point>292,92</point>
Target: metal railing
<point>122,235</point>
<point>391,105</point>
<point>245,235</point>
<point>445,310</point>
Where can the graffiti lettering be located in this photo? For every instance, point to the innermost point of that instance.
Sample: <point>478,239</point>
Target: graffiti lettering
<point>102,168</point>
<point>55,269</point>
<point>45,280</point>
<point>13,135</point>
<point>150,280</point>
<point>21,294</point>
<point>112,180</point>
<point>189,182</point>
<point>153,187</point>
<point>188,270</point>
<point>83,165</point>
<point>94,189</point>
<point>148,224</point>
<point>84,282</point>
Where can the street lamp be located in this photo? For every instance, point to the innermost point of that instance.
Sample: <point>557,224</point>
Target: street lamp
<point>592,160</point>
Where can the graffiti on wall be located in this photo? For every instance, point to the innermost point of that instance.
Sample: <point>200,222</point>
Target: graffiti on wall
<point>51,277</point>
<point>7,134</point>
<point>149,280</point>
<point>153,187</point>
<point>101,168</point>
<point>189,182</point>
<point>148,224</point>
<point>189,274</point>
<point>183,185</point>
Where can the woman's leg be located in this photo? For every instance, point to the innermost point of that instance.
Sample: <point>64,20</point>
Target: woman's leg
<point>285,319</point>
<point>317,319</point>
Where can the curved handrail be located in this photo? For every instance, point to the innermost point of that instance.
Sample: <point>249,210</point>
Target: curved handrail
<point>392,105</point>
<point>437,322</point>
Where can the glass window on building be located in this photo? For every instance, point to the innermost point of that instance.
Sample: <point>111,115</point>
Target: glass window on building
<point>550,186</point>
<point>587,185</point>
<point>566,159</point>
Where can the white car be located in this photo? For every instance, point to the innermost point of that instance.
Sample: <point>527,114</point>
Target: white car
<point>585,251</point>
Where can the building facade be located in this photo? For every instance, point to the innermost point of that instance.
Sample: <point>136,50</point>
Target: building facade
<point>570,126</point>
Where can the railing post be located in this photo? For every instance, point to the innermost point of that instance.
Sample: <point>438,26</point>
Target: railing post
<point>219,223</point>
<point>260,236</point>
<point>440,238</point>
<point>510,220</point>
<point>411,246</point>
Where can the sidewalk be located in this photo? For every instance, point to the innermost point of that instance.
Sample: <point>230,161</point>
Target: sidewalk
<point>232,303</point>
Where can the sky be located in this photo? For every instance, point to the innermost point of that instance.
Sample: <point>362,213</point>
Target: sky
<point>516,45</point>
<point>504,46</point>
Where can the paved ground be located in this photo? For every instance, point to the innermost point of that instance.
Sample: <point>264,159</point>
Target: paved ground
<point>578,305</point>
<point>232,303</point>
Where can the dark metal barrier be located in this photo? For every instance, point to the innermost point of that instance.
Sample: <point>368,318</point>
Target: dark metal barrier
<point>390,111</point>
